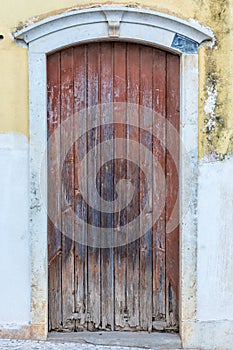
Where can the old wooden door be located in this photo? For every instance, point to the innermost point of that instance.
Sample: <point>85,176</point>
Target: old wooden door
<point>132,286</point>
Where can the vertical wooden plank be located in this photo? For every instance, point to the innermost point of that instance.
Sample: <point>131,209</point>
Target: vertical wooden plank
<point>120,253</point>
<point>146,139</point>
<point>80,116</point>
<point>94,276</point>
<point>107,184</point>
<point>67,187</point>
<point>53,154</point>
<point>133,282</point>
<point>172,189</point>
<point>159,108</point>
<point>86,274</point>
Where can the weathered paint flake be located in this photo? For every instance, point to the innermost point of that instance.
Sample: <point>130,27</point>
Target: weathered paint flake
<point>209,109</point>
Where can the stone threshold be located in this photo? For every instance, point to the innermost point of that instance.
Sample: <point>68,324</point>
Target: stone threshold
<point>145,340</point>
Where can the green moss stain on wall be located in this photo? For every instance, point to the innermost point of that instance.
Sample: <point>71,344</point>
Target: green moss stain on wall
<point>215,115</point>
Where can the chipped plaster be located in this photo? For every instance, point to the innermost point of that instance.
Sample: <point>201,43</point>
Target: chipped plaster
<point>216,80</point>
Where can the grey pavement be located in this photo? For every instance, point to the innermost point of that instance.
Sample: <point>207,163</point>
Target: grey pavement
<point>55,345</point>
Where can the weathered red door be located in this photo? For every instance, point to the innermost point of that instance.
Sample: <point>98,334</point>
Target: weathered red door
<point>96,282</point>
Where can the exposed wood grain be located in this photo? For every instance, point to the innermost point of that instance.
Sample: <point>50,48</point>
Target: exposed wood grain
<point>172,189</point>
<point>132,287</point>
<point>94,273</point>
<point>67,194</point>
<point>119,81</point>
<point>159,151</point>
<point>53,154</point>
<point>107,185</point>
<point>80,116</point>
<point>133,248</point>
<point>146,123</point>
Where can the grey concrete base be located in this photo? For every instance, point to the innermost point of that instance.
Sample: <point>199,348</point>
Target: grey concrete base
<point>129,339</point>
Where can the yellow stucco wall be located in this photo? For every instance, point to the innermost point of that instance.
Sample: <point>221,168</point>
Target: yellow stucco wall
<point>216,64</point>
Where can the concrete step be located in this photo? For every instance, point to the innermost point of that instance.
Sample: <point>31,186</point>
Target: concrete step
<point>123,339</point>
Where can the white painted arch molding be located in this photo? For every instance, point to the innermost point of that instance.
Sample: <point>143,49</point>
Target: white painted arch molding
<point>114,22</point>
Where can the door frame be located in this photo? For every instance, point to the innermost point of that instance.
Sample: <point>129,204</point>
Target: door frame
<point>124,24</point>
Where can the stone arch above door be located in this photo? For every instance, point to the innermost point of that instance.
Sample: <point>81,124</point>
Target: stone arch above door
<point>124,24</point>
<point>119,23</point>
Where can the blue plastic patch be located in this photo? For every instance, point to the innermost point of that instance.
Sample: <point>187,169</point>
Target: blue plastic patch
<point>184,44</point>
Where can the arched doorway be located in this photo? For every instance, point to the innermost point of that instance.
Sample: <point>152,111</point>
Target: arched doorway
<point>124,97</point>
<point>108,23</point>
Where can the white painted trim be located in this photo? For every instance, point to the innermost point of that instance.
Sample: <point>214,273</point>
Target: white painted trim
<point>38,214</point>
<point>91,24</point>
<point>118,23</point>
<point>188,190</point>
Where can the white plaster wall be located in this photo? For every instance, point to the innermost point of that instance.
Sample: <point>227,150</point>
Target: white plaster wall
<point>214,327</point>
<point>14,234</point>
<point>215,241</point>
